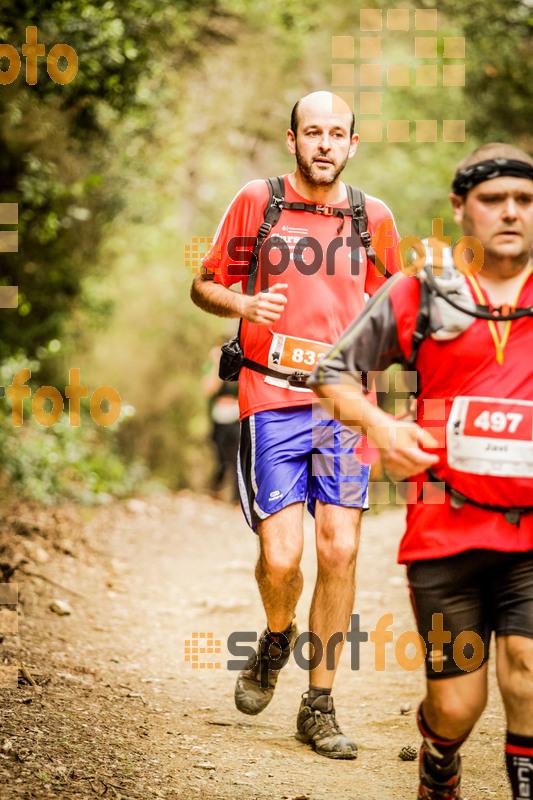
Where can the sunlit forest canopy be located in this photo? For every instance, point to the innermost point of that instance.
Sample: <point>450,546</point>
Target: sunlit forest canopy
<point>174,107</point>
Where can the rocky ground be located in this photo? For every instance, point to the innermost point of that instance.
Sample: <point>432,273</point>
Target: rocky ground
<point>106,703</point>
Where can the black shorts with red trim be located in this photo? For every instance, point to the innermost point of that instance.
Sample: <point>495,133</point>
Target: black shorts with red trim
<point>469,595</point>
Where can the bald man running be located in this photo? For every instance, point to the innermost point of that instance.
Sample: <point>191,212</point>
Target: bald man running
<point>291,452</point>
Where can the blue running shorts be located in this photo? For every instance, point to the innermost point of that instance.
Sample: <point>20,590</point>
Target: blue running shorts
<point>288,455</point>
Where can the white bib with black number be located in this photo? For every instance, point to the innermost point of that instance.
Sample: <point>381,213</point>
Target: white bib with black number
<point>490,436</point>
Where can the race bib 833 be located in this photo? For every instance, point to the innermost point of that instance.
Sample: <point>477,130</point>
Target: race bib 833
<point>289,354</point>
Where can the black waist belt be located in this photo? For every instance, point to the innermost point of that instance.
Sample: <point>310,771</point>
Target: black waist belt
<point>297,379</point>
<point>457,500</point>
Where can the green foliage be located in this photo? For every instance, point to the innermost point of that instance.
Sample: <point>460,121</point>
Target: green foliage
<point>175,106</point>
<point>63,462</point>
<point>55,140</point>
<point>498,97</point>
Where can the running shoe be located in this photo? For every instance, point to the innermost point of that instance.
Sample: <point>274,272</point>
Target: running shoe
<point>255,685</point>
<point>318,727</point>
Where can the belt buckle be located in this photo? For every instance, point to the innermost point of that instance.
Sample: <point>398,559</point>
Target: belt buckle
<point>298,379</point>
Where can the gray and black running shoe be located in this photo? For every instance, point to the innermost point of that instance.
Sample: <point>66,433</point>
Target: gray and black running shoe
<point>318,727</point>
<point>255,685</point>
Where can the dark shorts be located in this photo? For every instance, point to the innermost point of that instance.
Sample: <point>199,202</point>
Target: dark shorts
<point>475,592</point>
<point>290,455</point>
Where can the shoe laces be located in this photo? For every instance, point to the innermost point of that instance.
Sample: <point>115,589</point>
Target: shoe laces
<point>327,720</point>
<point>267,661</point>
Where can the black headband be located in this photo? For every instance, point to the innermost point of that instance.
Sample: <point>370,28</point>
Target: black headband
<point>469,177</point>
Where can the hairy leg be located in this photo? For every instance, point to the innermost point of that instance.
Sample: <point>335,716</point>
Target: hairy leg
<point>337,541</point>
<point>452,706</point>
<point>278,572</point>
<point>514,668</point>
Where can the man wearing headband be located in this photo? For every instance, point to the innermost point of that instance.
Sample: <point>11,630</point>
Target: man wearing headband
<point>468,461</point>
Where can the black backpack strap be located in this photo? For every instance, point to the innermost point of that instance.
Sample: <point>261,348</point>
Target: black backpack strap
<point>356,198</point>
<point>271,215</point>
<point>422,324</point>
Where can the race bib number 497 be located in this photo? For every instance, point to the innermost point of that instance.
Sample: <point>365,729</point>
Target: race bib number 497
<point>488,436</point>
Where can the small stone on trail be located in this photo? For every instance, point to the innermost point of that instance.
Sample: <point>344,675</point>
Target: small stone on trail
<point>408,753</point>
<point>205,765</point>
<point>405,708</point>
<point>60,607</point>
<point>200,750</point>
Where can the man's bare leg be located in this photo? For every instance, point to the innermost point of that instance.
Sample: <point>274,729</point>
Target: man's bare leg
<point>278,572</point>
<point>514,668</point>
<point>337,542</point>
<point>280,582</point>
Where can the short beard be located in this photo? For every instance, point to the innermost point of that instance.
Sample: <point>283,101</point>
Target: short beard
<point>317,178</point>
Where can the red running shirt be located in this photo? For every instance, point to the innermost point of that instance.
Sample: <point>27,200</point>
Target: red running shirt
<point>320,305</point>
<point>466,367</point>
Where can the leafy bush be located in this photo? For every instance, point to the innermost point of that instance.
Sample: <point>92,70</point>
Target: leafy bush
<point>63,462</point>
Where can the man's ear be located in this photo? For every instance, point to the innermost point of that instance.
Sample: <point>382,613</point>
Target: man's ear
<point>353,145</point>
<point>458,204</point>
<point>291,142</point>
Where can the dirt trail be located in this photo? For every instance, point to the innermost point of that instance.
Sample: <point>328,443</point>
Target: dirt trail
<point>119,712</point>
